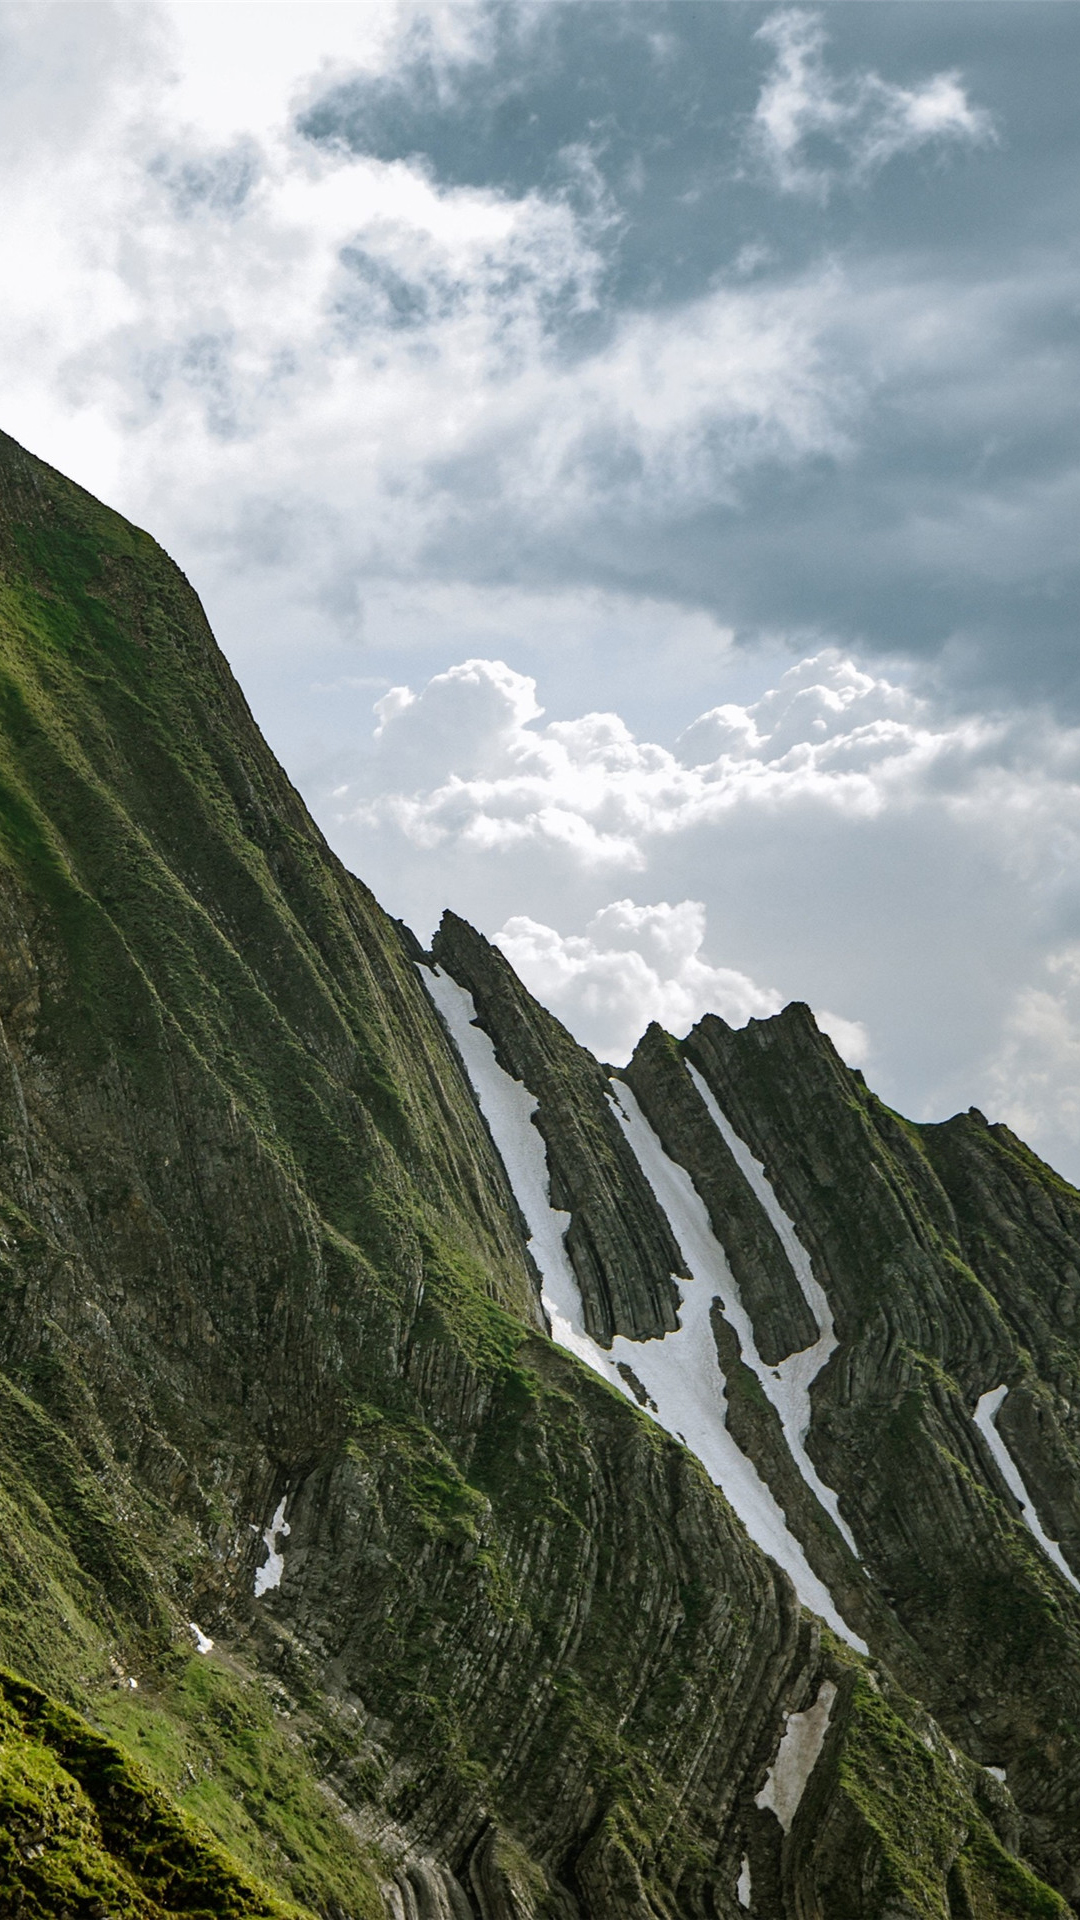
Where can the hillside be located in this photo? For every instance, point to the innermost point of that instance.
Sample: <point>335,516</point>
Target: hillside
<point>608,1518</point>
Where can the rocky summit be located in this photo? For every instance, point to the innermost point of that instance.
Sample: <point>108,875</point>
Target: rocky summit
<point>444,1478</point>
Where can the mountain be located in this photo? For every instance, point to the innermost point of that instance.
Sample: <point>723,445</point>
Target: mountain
<point>441,1478</point>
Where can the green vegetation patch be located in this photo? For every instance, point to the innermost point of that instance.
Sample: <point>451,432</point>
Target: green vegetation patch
<point>458,1290</point>
<point>211,1738</point>
<point>935,1849</point>
<point>68,600</point>
<point>72,1584</point>
<point>83,1832</point>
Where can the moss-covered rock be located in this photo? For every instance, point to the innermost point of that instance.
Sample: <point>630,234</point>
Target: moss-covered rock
<point>84,1833</point>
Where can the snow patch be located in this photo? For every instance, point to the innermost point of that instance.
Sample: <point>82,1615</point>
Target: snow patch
<point>998,1773</point>
<point>508,1107</point>
<point>269,1574</point>
<point>788,1385</point>
<point>987,1406</point>
<point>743,1884</point>
<point>800,1747</point>
<point>203,1642</point>
<point>680,1373</point>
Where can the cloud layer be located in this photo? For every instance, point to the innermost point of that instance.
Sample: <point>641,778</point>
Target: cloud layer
<point>835,840</point>
<point>319,330</point>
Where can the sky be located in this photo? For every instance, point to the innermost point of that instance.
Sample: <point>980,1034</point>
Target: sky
<point>628,454</point>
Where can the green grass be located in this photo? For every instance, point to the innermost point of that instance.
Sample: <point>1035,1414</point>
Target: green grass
<point>84,1831</point>
<point>212,1738</point>
<point>916,1801</point>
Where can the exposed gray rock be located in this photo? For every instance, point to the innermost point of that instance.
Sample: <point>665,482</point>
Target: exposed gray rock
<point>671,1103</point>
<point>618,1240</point>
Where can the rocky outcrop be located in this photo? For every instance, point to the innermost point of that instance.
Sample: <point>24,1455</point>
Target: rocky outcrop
<point>1019,1230</point>
<point>918,1276</point>
<point>618,1240</point>
<point>783,1323</point>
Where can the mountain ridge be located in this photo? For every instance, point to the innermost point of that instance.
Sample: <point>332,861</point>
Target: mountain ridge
<point>268,1305</point>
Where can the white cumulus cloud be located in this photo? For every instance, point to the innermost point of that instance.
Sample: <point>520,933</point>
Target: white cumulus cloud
<point>863,120</point>
<point>908,871</point>
<point>464,761</point>
<point>630,966</point>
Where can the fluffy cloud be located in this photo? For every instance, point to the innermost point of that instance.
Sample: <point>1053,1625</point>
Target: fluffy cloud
<point>463,762</point>
<point>304,364</point>
<point>836,840</point>
<point>325,375</point>
<point>863,120</point>
<point>238,298</point>
<point>635,964</point>
<point>631,965</point>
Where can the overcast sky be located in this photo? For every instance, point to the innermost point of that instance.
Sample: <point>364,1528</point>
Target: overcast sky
<point>629,456</point>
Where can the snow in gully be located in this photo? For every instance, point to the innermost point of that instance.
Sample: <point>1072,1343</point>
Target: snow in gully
<point>680,1373</point>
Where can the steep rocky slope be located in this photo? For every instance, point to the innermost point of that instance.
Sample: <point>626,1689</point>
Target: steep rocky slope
<point>945,1260</point>
<point>281,1260</point>
<point>945,1253</point>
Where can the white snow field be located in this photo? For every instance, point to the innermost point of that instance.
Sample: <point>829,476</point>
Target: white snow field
<point>742,1888</point>
<point>269,1574</point>
<point>788,1385</point>
<point>803,1739</point>
<point>680,1372</point>
<point>987,1406</point>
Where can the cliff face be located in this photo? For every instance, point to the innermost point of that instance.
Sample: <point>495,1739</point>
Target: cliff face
<point>948,1257</point>
<point>504,1625</point>
<point>619,1241</point>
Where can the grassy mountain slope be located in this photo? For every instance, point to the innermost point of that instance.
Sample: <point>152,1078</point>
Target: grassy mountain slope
<point>258,1245</point>
<point>82,1831</point>
<point>258,1258</point>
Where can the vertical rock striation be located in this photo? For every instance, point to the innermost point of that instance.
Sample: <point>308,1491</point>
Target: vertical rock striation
<point>782,1320</point>
<point>618,1240</point>
<point>919,1301</point>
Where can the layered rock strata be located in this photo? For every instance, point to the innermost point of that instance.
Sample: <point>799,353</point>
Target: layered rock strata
<point>619,1242</point>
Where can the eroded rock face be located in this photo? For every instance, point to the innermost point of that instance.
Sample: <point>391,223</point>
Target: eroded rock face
<point>946,1254</point>
<point>266,1308</point>
<point>938,1292</point>
<point>618,1239</point>
<point>783,1323</point>
<point>262,1264</point>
